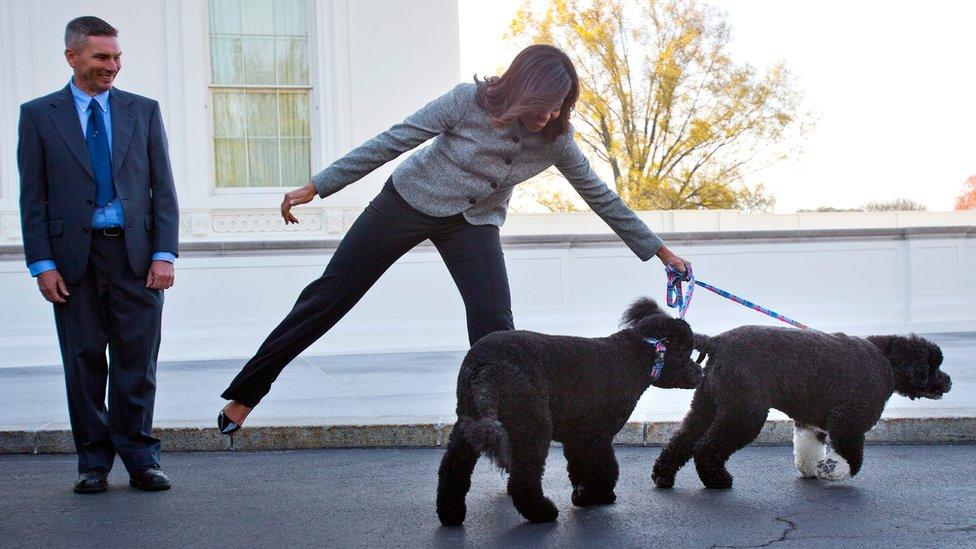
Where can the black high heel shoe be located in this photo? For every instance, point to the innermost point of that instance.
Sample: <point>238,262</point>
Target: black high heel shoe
<point>225,425</point>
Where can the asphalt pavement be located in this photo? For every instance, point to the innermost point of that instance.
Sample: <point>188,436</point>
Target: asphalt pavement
<point>918,496</point>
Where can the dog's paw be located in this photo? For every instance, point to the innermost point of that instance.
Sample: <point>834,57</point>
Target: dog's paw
<point>541,510</point>
<point>808,451</point>
<point>715,479</point>
<point>833,468</point>
<point>807,469</point>
<point>663,480</point>
<point>583,497</point>
<point>718,482</point>
<point>451,515</point>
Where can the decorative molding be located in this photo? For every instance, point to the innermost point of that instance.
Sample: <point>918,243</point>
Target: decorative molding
<point>339,221</point>
<point>264,223</point>
<point>200,223</point>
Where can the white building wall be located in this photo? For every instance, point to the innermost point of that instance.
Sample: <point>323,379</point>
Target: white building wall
<point>227,299</point>
<point>373,62</point>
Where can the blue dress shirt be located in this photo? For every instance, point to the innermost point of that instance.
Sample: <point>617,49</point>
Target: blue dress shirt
<point>111,214</point>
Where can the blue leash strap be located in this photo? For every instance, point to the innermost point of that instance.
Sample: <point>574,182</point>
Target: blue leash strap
<point>676,299</point>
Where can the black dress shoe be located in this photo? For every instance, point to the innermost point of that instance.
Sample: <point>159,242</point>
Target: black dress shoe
<point>150,478</point>
<point>92,482</point>
<point>225,425</point>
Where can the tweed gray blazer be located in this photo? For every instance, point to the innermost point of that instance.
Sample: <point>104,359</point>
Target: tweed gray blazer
<point>471,167</point>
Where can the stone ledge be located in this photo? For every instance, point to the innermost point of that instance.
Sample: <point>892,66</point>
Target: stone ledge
<point>934,430</point>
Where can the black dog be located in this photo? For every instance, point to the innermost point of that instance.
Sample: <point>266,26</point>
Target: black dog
<point>832,385</point>
<point>518,391</point>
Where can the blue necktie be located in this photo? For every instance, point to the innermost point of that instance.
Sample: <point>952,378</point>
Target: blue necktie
<point>100,155</point>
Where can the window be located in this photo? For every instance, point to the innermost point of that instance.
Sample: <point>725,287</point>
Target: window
<point>260,92</point>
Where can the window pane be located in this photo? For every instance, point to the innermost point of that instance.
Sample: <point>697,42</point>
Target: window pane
<point>229,114</point>
<point>290,17</point>
<point>262,115</point>
<point>295,162</point>
<point>259,67</point>
<point>293,114</point>
<point>292,60</point>
<point>225,58</point>
<point>263,162</point>
<point>231,161</point>
<point>225,16</point>
<point>257,17</point>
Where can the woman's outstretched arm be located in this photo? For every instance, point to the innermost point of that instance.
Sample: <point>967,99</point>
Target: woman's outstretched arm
<point>433,119</point>
<point>611,208</point>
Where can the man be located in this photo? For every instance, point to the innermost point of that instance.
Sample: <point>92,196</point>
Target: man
<point>100,222</point>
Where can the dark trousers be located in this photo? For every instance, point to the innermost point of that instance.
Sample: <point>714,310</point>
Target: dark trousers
<point>387,229</point>
<point>112,307</point>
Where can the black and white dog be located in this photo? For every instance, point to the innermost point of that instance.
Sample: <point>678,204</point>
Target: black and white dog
<point>518,391</point>
<point>834,386</point>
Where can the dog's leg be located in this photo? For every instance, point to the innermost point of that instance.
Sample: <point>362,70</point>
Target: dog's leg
<point>454,479</point>
<point>574,463</point>
<point>808,449</point>
<point>845,458</point>
<point>600,476</point>
<point>530,441</point>
<point>677,452</point>
<point>735,426</point>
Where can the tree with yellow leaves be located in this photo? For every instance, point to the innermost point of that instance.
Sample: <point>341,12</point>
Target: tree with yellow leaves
<point>661,101</point>
<point>967,200</point>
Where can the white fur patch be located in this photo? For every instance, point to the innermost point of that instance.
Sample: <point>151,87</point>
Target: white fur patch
<point>808,451</point>
<point>833,468</point>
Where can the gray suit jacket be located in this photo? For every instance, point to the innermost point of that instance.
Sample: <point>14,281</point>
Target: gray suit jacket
<point>471,167</point>
<point>57,188</point>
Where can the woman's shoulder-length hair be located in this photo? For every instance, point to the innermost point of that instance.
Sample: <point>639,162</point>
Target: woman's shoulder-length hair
<point>540,78</point>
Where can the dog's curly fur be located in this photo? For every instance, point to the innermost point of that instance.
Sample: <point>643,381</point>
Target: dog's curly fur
<point>832,385</point>
<point>517,391</point>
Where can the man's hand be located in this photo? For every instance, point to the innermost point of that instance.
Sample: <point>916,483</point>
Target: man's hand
<point>301,195</point>
<point>161,275</point>
<point>53,287</point>
<point>668,258</point>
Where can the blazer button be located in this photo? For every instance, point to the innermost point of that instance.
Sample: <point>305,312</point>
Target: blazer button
<point>84,229</point>
<point>515,139</point>
<point>508,161</point>
<point>472,201</point>
<point>89,202</point>
<point>494,185</point>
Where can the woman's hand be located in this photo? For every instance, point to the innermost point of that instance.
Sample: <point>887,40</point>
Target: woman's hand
<point>301,195</point>
<point>668,258</point>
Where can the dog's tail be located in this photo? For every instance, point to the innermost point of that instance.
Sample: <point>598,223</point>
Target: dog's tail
<point>485,433</point>
<point>488,436</point>
<point>705,345</point>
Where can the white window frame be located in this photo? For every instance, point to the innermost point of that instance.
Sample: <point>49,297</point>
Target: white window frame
<point>311,18</point>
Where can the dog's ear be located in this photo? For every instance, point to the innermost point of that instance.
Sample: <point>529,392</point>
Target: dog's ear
<point>935,355</point>
<point>639,310</point>
<point>680,372</point>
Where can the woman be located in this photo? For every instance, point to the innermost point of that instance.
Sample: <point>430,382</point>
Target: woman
<point>489,136</point>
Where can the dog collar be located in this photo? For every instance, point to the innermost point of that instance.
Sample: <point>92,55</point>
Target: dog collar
<point>661,348</point>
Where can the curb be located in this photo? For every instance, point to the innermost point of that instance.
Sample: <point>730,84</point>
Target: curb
<point>947,430</point>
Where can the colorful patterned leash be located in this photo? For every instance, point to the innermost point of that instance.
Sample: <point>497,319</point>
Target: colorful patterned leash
<point>676,299</point>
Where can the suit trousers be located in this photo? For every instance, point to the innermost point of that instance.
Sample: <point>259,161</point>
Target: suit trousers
<point>111,307</point>
<point>387,229</point>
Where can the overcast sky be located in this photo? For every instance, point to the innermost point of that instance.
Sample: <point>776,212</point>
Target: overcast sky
<point>891,84</point>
